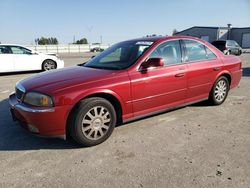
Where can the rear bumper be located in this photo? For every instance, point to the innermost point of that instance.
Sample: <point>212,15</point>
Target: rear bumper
<point>48,122</point>
<point>236,77</point>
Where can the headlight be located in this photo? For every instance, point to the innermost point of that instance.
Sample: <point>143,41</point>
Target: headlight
<point>38,99</point>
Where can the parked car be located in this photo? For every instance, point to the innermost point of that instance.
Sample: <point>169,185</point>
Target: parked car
<point>15,58</point>
<point>96,49</point>
<point>228,47</point>
<point>130,80</point>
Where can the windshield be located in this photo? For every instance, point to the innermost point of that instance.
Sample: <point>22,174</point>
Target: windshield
<point>119,56</point>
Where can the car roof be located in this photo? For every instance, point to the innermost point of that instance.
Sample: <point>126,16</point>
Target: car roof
<point>162,38</point>
<point>4,44</point>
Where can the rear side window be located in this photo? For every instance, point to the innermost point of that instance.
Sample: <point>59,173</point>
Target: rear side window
<point>210,54</point>
<point>195,50</point>
<point>170,51</point>
<point>4,50</point>
<point>232,43</point>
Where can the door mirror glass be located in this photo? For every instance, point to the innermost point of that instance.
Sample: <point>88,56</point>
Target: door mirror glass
<point>152,63</point>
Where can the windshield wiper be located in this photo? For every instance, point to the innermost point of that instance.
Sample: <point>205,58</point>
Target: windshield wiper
<point>104,68</point>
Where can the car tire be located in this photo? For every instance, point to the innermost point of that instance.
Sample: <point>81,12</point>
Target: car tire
<point>92,121</point>
<point>219,91</point>
<point>49,64</point>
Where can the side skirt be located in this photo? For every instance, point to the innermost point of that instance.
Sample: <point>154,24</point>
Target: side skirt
<point>162,111</point>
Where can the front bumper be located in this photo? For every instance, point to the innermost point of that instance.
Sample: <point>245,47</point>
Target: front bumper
<point>48,122</point>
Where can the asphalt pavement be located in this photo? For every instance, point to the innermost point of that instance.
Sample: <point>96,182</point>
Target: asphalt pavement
<point>195,146</point>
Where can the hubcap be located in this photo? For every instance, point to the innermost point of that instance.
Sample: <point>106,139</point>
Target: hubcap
<point>48,65</point>
<point>220,90</point>
<point>96,122</point>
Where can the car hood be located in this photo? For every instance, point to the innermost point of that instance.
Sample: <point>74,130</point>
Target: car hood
<point>51,81</point>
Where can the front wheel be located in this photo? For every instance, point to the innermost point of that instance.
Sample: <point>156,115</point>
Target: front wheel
<point>48,65</point>
<point>92,121</point>
<point>219,91</point>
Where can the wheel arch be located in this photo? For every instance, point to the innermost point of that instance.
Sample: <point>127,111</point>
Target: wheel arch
<point>110,96</point>
<point>227,75</point>
<point>46,60</point>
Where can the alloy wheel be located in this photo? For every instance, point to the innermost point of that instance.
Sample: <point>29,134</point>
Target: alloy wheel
<point>220,90</point>
<point>96,122</point>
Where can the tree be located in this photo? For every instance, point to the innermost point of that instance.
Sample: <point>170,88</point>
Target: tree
<point>174,32</point>
<point>46,41</point>
<point>82,41</point>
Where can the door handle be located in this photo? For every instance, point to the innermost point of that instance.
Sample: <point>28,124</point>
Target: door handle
<point>180,75</point>
<point>217,68</point>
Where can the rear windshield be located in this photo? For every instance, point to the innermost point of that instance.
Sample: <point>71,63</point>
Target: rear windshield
<point>219,43</point>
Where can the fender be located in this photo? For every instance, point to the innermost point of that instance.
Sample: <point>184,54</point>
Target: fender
<point>220,74</point>
<point>90,92</point>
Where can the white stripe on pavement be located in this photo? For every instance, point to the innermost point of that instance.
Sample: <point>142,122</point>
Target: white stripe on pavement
<point>5,91</point>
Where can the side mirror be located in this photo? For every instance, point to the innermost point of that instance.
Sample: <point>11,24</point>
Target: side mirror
<point>152,63</point>
<point>33,53</point>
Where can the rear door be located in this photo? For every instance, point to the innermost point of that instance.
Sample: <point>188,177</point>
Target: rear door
<point>6,59</point>
<point>203,66</point>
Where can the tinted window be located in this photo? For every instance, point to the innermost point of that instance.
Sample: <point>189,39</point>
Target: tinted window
<point>195,50</point>
<point>169,51</point>
<point>4,50</point>
<point>19,50</point>
<point>219,43</point>
<point>210,54</point>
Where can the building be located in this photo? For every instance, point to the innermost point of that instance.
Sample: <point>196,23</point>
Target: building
<point>210,34</point>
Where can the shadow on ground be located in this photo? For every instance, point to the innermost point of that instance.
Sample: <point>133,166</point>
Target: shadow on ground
<point>14,138</point>
<point>246,72</point>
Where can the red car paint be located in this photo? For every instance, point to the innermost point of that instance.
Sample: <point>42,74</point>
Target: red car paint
<point>138,93</point>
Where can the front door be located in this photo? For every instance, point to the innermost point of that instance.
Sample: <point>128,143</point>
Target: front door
<point>162,87</point>
<point>23,59</point>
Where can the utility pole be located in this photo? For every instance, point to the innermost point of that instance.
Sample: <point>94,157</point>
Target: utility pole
<point>229,31</point>
<point>101,39</point>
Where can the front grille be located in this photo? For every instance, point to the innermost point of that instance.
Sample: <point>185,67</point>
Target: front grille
<point>20,91</point>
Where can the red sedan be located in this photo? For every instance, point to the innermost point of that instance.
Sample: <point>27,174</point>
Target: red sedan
<point>129,80</point>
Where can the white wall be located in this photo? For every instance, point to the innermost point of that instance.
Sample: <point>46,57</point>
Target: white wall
<point>61,48</point>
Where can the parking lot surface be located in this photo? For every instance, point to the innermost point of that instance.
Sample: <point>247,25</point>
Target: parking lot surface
<point>195,146</point>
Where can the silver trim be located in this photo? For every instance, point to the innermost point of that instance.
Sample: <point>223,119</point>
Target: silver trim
<point>33,110</point>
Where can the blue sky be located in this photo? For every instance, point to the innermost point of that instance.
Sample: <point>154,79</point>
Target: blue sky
<point>21,21</point>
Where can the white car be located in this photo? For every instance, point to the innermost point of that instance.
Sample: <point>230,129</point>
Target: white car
<point>15,58</point>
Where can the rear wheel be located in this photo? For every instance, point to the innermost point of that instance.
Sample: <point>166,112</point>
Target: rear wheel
<point>219,91</point>
<point>48,65</point>
<point>92,121</point>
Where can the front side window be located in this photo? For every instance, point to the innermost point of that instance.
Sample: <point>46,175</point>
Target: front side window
<point>19,50</point>
<point>119,56</point>
<point>170,51</point>
<point>195,50</point>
